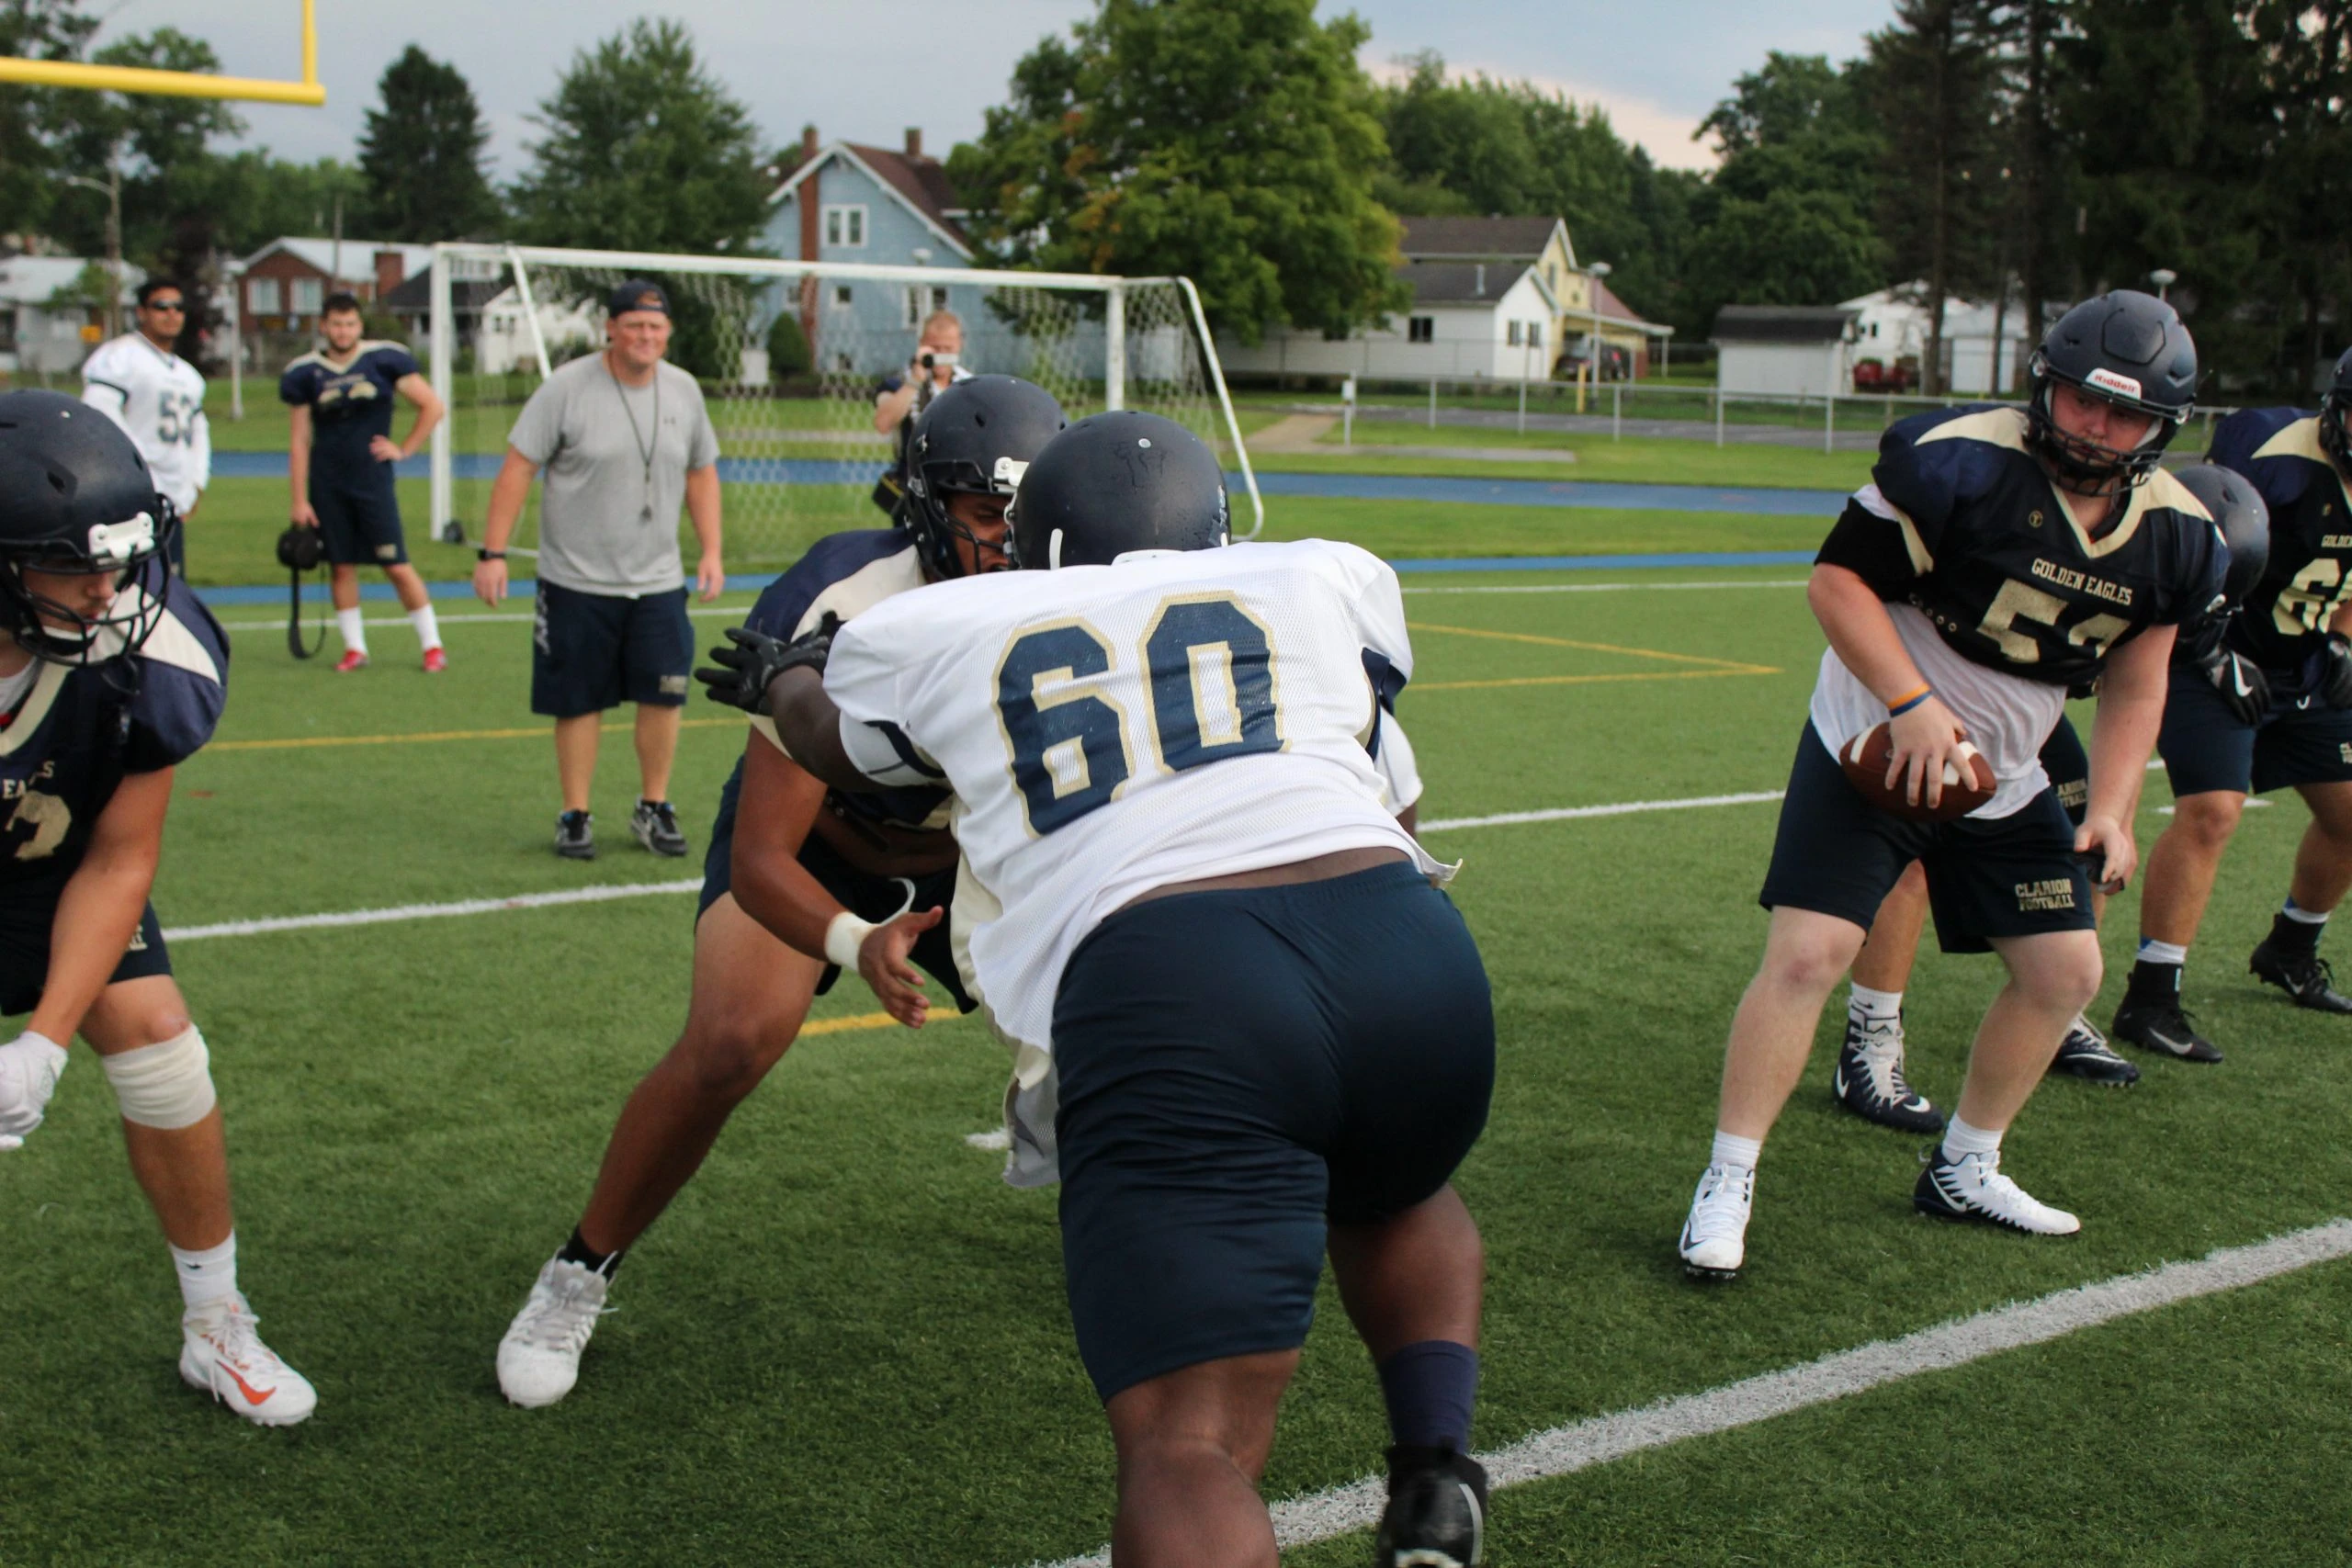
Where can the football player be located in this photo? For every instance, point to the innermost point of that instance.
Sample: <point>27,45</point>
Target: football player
<point>110,677</point>
<point>146,387</point>
<point>1998,556</point>
<point>792,870</point>
<point>2280,721</point>
<point>1246,1024</point>
<point>340,454</point>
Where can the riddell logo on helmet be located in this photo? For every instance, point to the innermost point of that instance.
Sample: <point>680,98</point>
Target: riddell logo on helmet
<point>2107,381</point>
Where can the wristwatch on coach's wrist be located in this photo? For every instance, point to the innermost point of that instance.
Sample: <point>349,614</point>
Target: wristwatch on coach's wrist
<point>490,555</point>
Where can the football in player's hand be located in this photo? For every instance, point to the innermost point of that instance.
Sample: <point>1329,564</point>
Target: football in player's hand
<point>1865,760</point>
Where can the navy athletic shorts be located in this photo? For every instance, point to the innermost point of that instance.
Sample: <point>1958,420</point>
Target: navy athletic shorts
<point>1237,1071</point>
<point>593,652</point>
<point>2300,741</point>
<point>1834,854</point>
<point>868,895</point>
<point>26,918</point>
<point>2069,767</point>
<point>360,521</point>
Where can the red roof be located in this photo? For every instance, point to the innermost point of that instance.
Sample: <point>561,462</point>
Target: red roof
<point>1612,306</point>
<point>921,180</point>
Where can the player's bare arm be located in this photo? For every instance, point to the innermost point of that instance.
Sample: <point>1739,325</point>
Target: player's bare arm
<point>1865,640</point>
<point>298,465</point>
<point>2131,711</point>
<point>507,494</point>
<point>703,507</point>
<point>779,803</point>
<point>810,728</point>
<point>101,906</point>
<point>429,412</point>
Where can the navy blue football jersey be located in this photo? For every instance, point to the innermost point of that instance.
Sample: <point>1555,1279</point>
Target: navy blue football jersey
<point>847,574</point>
<point>1982,544</point>
<point>70,741</point>
<point>2284,621</point>
<point>351,406</point>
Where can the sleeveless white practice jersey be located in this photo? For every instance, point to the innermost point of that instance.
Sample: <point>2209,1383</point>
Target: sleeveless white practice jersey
<point>158,398</point>
<point>1111,730</point>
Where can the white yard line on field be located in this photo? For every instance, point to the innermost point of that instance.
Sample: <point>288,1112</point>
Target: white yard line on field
<point>461,620</point>
<point>1564,1450</point>
<point>1623,808</point>
<point>430,911</point>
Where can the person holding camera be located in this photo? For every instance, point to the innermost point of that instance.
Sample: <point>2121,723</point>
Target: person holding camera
<point>937,365</point>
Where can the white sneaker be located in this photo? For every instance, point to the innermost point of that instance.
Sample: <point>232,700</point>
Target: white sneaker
<point>1972,1187</point>
<point>539,1358</point>
<point>222,1354</point>
<point>1715,1239</point>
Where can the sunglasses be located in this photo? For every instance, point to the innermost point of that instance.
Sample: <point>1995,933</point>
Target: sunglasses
<point>168,306</point>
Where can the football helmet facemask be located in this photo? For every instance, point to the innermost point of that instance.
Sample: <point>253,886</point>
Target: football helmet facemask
<point>76,499</point>
<point>2126,348</point>
<point>978,437</point>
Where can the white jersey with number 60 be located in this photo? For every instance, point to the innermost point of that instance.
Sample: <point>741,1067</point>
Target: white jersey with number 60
<point>1111,730</point>
<point>157,398</point>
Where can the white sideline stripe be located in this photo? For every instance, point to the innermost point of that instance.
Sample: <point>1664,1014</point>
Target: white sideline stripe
<point>430,911</point>
<point>1603,587</point>
<point>2167,810</point>
<point>452,620</point>
<point>1623,808</point>
<point>1563,1451</point>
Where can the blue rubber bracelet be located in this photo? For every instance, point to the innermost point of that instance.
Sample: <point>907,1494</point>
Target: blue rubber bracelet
<point>1907,707</point>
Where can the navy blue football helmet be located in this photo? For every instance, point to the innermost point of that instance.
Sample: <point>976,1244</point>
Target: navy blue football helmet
<point>977,438</point>
<point>1117,483</point>
<point>2244,519</point>
<point>76,499</point>
<point>2332,410</point>
<point>2127,348</point>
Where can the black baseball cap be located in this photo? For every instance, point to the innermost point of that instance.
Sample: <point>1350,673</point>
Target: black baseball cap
<point>636,294</point>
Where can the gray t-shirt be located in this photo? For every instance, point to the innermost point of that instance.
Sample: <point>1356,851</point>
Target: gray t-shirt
<point>605,527</point>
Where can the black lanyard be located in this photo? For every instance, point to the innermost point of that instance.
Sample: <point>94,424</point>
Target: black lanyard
<point>644,448</point>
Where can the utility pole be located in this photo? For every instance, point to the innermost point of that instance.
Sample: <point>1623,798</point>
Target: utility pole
<point>112,185</point>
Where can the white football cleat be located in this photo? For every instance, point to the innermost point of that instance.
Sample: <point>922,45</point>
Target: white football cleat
<point>539,1358</point>
<point>1715,1239</point>
<point>1972,1187</point>
<point>222,1354</point>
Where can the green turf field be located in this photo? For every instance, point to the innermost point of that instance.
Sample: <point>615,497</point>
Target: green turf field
<point>846,1342</point>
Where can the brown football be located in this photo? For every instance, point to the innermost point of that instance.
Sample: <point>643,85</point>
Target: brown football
<point>1865,760</point>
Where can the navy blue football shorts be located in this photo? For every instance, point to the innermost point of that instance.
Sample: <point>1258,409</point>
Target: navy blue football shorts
<point>359,518</point>
<point>26,915</point>
<point>593,652</point>
<point>2069,767</point>
<point>868,895</point>
<point>2300,741</point>
<point>1239,1069</point>
<point>1836,854</point>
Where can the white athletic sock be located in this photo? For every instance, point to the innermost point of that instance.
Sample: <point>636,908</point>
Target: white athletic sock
<point>353,630</point>
<point>2154,951</point>
<point>209,1275</point>
<point>428,630</point>
<point>2301,916</point>
<point>1739,1152</point>
<point>1959,1139</point>
<point>1866,1006</point>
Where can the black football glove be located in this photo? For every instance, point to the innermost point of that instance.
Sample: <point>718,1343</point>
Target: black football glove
<point>2335,671</point>
<point>757,658</point>
<point>2239,679</point>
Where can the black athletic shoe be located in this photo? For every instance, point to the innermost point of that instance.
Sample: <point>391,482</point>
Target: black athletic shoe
<point>575,835</point>
<point>655,823</point>
<point>2085,1053</point>
<point>1436,1516</point>
<point>1868,1079</point>
<point>2304,977</point>
<point>2163,1026</point>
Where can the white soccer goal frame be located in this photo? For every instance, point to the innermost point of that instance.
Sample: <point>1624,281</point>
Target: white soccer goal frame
<point>442,338</point>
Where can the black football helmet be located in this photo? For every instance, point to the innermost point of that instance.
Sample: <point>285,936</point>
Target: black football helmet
<point>2242,516</point>
<point>76,498</point>
<point>2129,349</point>
<point>2333,411</point>
<point>1116,482</point>
<point>978,437</point>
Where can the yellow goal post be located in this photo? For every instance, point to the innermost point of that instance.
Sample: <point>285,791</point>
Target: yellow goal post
<point>308,92</point>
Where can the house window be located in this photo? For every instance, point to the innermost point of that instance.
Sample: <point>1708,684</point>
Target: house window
<point>262,297</point>
<point>845,226</point>
<point>922,303</point>
<point>7,332</point>
<point>1515,331</point>
<point>844,363</point>
<point>841,296</point>
<point>1535,334</point>
<point>307,292</point>
<point>1421,329</point>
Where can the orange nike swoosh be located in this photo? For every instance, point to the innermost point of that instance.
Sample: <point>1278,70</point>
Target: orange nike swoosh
<point>246,1388</point>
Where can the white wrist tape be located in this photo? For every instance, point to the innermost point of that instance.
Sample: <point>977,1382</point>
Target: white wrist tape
<point>843,938</point>
<point>167,1086</point>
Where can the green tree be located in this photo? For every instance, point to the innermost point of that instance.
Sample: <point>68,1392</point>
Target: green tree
<point>2305,52</point>
<point>644,150</point>
<point>422,154</point>
<point>35,29</point>
<point>1236,144</point>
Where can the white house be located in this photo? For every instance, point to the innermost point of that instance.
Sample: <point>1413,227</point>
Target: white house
<point>1892,325</point>
<point>1785,351</point>
<point>40,337</point>
<point>503,338</point>
<point>1468,320</point>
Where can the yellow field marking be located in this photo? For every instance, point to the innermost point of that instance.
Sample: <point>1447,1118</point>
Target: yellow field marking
<point>1726,666</point>
<point>844,1025</point>
<point>1591,680</point>
<point>545,728</point>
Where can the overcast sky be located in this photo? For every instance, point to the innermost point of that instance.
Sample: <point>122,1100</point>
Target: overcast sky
<point>866,72</point>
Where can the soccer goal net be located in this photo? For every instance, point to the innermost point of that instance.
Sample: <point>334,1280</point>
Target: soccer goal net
<point>791,356</point>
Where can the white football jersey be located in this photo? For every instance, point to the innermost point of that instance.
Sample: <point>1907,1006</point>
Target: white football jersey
<point>159,398</point>
<point>1111,730</point>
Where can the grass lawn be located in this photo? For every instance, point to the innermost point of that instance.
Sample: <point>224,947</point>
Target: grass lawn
<point>846,1342</point>
<point>1633,460</point>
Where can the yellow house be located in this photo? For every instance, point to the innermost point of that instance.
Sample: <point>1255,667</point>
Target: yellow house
<point>1584,306</point>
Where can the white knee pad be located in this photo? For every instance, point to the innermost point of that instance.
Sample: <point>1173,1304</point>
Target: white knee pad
<point>167,1086</point>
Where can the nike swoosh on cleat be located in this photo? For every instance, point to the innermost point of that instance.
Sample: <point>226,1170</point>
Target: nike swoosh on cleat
<point>252,1397</point>
<point>2163,1041</point>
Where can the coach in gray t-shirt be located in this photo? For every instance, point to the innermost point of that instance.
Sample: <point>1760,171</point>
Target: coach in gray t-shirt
<point>623,440</point>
